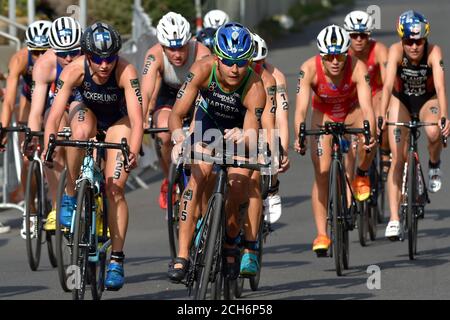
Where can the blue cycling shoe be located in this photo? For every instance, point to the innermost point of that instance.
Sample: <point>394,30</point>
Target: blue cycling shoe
<point>115,276</point>
<point>249,264</point>
<point>68,204</point>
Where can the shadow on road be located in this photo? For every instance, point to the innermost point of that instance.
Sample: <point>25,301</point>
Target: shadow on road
<point>3,242</point>
<point>293,200</point>
<point>6,292</point>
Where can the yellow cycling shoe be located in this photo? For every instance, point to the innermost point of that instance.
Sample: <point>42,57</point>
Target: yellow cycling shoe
<point>50,224</point>
<point>321,245</point>
<point>361,187</point>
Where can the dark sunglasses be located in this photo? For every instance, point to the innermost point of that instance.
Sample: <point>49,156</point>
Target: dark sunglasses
<point>230,62</point>
<point>361,35</point>
<point>38,52</point>
<point>330,57</point>
<point>72,53</point>
<point>410,42</point>
<point>99,60</point>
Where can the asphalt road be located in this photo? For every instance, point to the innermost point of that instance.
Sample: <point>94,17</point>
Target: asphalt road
<point>290,269</point>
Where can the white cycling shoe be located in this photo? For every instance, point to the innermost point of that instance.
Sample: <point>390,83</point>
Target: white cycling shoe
<point>272,208</point>
<point>393,230</point>
<point>23,231</point>
<point>434,180</point>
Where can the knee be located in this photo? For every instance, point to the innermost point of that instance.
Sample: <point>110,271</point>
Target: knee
<point>434,135</point>
<point>114,192</point>
<point>163,139</point>
<point>80,133</point>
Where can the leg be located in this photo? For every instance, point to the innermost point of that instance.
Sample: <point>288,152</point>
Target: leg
<point>191,199</point>
<point>430,112</point>
<point>398,138</point>
<point>252,221</point>
<point>164,150</point>
<point>321,158</point>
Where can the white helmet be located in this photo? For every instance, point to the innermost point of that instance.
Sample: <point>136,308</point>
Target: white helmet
<point>260,48</point>
<point>65,34</point>
<point>333,40</point>
<point>215,19</point>
<point>173,30</point>
<point>358,21</point>
<point>36,35</point>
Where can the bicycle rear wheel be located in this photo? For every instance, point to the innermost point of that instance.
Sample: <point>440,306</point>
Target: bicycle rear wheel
<point>81,241</point>
<point>363,221</point>
<point>411,216</point>
<point>34,211</point>
<point>254,281</point>
<point>62,236</point>
<point>176,181</point>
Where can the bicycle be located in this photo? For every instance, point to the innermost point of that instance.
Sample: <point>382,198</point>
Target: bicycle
<point>36,204</point>
<point>414,194</point>
<point>206,257</point>
<point>340,216</point>
<point>89,243</point>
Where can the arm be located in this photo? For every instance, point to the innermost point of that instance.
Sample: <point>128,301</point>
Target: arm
<point>437,64</point>
<point>16,66</point>
<point>282,114</point>
<point>381,56</point>
<point>254,99</point>
<point>202,51</point>
<point>388,84</point>
<point>70,78</point>
<point>130,83</point>
<point>150,78</point>
<point>186,97</point>
<point>304,87</point>
<point>362,79</point>
<point>41,77</point>
<point>269,110</point>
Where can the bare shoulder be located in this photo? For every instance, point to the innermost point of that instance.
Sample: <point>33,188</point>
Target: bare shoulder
<point>279,76</point>
<point>45,65</point>
<point>435,51</point>
<point>74,70</point>
<point>19,60</point>
<point>267,78</point>
<point>202,51</point>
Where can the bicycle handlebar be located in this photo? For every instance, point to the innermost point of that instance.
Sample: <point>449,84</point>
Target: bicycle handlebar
<point>227,161</point>
<point>88,144</point>
<point>334,128</point>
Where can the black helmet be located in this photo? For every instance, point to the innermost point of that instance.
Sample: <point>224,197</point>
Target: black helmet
<point>206,36</point>
<point>101,39</point>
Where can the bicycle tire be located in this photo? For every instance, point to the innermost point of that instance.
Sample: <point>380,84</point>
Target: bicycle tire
<point>215,208</point>
<point>173,208</point>
<point>337,226</point>
<point>62,236</point>
<point>34,181</point>
<point>411,218</point>
<point>50,248</point>
<point>239,287</point>
<point>97,270</point>
<point>81,235</point>
<point>363,223</point>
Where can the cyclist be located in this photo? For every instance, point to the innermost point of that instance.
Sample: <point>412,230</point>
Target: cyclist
<point>206,36</point>
<point>111,102</point>
<point>233,98</point>
<point>272,204</point>
<point>65,35</point>
<point>215,19</point>
<point>166,66</point>
<point>276,108</point>
<point>341,94</point>
<point>359,25</point>
<point>21,66</point>
<point>414,86</point>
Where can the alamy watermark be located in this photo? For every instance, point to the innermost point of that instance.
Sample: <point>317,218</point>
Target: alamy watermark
<point>374,280</point>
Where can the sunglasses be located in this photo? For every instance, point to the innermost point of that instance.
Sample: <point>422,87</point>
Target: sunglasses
<point>230,62</point>
<point>37,52</point>
<point>410,42</point>
<point>99,60</point>
<point>330,57</point>
<point>361,35</point>
<point>72,53</point>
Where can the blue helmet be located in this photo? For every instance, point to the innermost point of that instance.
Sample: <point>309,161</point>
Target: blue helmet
<point>234,41</point>
<point>412,25</point>
<point>206,36</point>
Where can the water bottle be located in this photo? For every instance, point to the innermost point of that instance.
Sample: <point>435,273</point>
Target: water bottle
<point>345,145</point>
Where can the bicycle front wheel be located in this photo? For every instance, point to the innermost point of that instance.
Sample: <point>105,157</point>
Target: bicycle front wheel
<point>411,217</point>
<point>81,241</point>
<point>337,223</point>
<point>34,211</point>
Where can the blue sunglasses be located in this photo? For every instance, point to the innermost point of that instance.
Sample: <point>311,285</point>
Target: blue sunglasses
<point>230,62</point>
<point>99,60</point>
<point>72,53</point>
